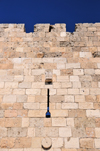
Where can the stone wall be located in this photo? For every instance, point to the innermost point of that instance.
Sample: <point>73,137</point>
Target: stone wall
<point>72,61</point>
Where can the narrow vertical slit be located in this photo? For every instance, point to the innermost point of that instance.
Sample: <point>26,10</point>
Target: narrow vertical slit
<point>48,114</point>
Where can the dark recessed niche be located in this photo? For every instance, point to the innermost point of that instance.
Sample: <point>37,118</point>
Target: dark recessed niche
<point>48,82</point>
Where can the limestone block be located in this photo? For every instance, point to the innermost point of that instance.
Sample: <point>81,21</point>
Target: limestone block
<point>85,78</point>
<point>69,98</point>
<point>19,49</point>
<point>28,78</point>
<point>37,85</point>
<point>97,71</point>
<point>3,132</point>
<point>65,132</point>
<point>63,34</point>
<point>1,85</point>
<point>70,122</point>
<point>74,78</point>
<point>91,98</point>
<point>1,113</point>
<point>23,142</point>
<point>72,65</point>
<point>33,91</point>
<point>36,122</point>
<point>97,143</point>
<point>85,105</point>
<point>10,85</point>
<point>60,60</point>
<point>56,72</point>
<point>84,91</point>
<point>18,106</point>
<point>97,132</point>
<point>21,98</point>
<point>73,91</point>
<point>61,91</point>
<point>66,85</point>
<point>79,98</point>
<point>85,54</point>
<point>47,122</point>
<point>7,142</point>
<point>65,72</point>
<point>31,106</point>
<point>69,105</point>
<point>5,91</point>
<point>64,149</point>
<point>36,142</point>
<point>10,113</point>
<point>25,122</point>
<point>52,91</point>
<point>59,113</point>
<point>47,131</point>
<point>9,99</point>
<point>61,65</point>
<point>17,132</point>
<point>58,121</point>
<point>90,132</point>
<point>6,78</point>
<point>56,85</point>
<point>76,84</point>
<point>31,132</point>
<point>38,71</point>
<point>78,72</point>
<point>18,78</point>
<point>92,113</point>
<point>56,98</point>
<point>22,113</point>
<point>41,98</point>
<point>36,113</point>
<point>62,78</point>
<point>72,143</point>
<point>77,113</point>
<point>86,143</point>
<point>95,91</point>
<point>24,85</point>
<point>78,132</point>
<point>13,122</point>
<point>19,91</point>
<point>89,71</point>
<point>57,142</point>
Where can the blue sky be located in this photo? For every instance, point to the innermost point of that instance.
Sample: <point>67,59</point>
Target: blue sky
<point>32,12</point>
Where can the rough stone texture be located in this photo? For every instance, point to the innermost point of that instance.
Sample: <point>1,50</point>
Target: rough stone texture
<point>72,61</point>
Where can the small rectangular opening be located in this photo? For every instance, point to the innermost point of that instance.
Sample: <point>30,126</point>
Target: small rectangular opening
<point>48,82</point>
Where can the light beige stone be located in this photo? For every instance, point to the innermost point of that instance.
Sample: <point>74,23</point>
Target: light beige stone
<point>85,105</point>
<point>69,105</point>
<point>65,132</point>
<point>9,99</point>
<point>57,142</point>
<point>33,91</point>
<point>31,106</point>
<point>97,143</point>
<point>78,72</point>
<point>73,91</point>
<point>70,122</point>
<point>58,121</point>
<point>69,98</point>
<point>79,98</point>
<point>25,122</point>
<point>76,85</point>
<point>72,143</point>
<point>61,91</point>
<point>92,113</point>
